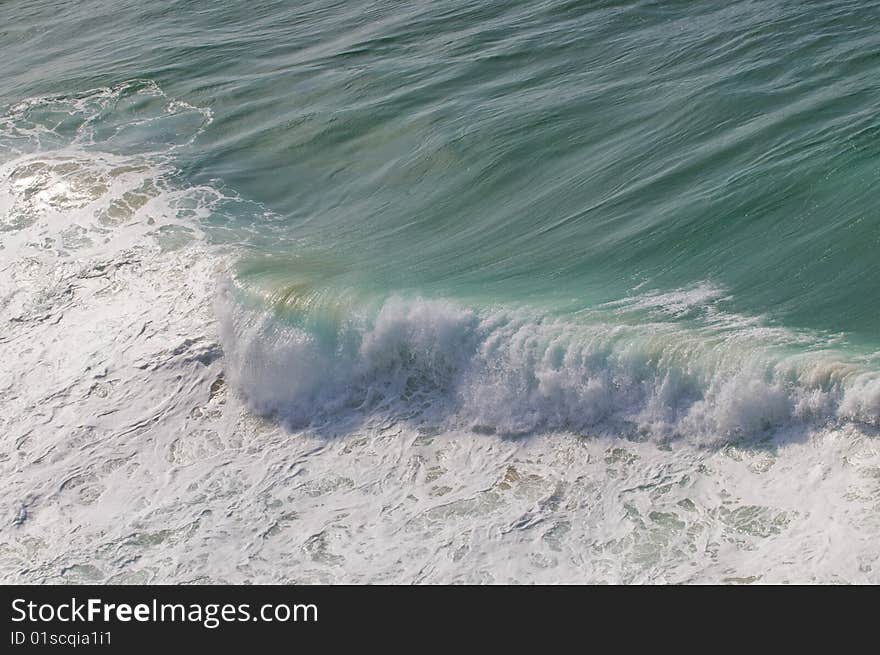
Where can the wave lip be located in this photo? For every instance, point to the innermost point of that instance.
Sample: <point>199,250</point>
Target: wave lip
<point>515,372</point>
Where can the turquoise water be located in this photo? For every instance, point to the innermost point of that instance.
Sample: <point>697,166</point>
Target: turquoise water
<point>439,291</point>
<point>681,175</point>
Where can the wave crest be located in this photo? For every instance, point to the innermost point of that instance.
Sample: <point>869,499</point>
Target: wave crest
<point>512,372</point>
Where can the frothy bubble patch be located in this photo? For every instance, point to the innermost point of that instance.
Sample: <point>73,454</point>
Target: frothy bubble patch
<point>134,117</point>
<point>76,169</point>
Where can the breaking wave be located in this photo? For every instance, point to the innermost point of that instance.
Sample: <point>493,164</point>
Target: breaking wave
<point>623,369</point>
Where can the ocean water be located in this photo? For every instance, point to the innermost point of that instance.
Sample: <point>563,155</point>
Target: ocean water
<point>440,291</point>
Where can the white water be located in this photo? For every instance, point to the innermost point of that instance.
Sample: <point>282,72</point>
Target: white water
<point>722,378</point>
<point>127,457</point>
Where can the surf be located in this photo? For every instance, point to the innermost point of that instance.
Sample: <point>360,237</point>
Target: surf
<point>663,366</point>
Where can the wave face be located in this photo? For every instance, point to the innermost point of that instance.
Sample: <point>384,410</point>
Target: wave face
<point>523,291</point>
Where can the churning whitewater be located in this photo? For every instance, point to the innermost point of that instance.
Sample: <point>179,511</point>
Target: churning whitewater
<point>524,292</point>
<point>515,372</point>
